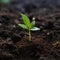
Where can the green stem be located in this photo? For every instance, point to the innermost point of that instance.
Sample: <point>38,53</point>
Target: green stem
<point>29,35</point>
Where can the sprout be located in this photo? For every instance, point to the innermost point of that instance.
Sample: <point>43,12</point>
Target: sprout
<point>30,26</point>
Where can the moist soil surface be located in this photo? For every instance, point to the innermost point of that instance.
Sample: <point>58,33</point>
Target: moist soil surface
<point>45,43</point>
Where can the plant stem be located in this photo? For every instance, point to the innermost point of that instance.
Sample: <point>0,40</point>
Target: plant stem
<point>29,35</point>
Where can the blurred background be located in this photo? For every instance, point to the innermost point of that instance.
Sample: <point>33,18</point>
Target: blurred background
<point>29,5</point>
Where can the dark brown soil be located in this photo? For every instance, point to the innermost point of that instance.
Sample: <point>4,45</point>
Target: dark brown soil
<point>14,44</point>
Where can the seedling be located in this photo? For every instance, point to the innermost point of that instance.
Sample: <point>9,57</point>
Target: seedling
<point>30,26</point>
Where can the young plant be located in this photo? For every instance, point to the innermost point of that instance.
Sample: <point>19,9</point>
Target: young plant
<point>30,26</point>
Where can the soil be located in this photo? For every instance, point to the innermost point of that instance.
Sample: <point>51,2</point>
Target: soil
<point>45,44</point>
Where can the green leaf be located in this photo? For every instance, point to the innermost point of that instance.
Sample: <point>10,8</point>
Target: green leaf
<point>26,20</point>
<point>5,1</point>
<point>32,24</point>
<point>22,26</point>
<point>35,29</point>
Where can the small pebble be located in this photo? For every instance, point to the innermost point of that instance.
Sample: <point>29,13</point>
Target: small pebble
<point>33,18</point>
<point>48,33</point>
